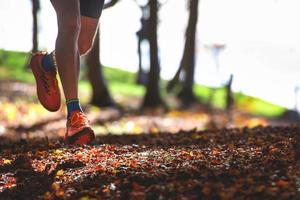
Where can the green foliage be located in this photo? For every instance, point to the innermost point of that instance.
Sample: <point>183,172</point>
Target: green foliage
<point>205,93</point>
<point>243,102</point>
<point>258,106</point>
<point>13,66</point>
<point>123,82</point>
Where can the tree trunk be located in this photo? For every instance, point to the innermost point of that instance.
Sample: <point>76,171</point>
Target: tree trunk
<point>139,74</point>
<point>229,100</point>
<point>229,94</point>
<point>152,97</point>
<point>35,46</point>
<point>142,35</point>
<point>100,94</point>
<point>35,10</point>
<point>188,60</point>
<point>172,83</point>
<point>141,78</point>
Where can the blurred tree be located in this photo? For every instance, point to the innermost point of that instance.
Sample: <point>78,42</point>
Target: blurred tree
<point>100,93</point>
<point>143,36</point>
<point>110,3</point>
<point>152,97</point>
<point>35,10</point>
<point>35,42</point>
<point>229,94</point>
<point>187,65</point>
<point>229,99</point>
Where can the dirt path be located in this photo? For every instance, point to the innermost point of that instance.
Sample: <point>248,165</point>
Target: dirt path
<point>259,163</point>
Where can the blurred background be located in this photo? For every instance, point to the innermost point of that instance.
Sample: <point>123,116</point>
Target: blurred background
<point>163,64</point>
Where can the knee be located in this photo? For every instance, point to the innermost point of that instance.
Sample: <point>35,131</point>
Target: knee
<point>70,27</point>
<point>85,48</point>
<point>85,45</point>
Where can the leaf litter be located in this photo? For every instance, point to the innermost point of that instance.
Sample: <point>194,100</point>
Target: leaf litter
<point>247,163</point>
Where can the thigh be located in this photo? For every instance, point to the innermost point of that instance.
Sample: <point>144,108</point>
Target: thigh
<point>90,11</point>
<point>67,11</point>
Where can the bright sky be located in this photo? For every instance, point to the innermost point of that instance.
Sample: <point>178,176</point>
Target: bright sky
<point>261,37</point>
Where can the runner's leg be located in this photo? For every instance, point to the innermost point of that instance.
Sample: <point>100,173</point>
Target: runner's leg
<point>66,48</point>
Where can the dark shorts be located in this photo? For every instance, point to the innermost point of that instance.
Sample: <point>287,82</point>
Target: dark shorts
<point>91,8</point>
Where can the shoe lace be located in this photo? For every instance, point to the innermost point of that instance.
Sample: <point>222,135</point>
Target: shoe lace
<point>78,119</point>
<point>50,82</point>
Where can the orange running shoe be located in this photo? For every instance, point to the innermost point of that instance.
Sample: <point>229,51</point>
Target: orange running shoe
<point>78,129</point>
<point>46,83</point>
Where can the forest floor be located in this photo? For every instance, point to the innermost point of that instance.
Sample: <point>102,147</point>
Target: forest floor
<point>190,154</point>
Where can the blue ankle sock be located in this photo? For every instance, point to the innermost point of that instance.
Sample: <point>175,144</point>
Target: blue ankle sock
<point>72,105</point>
<point>47,62</point>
